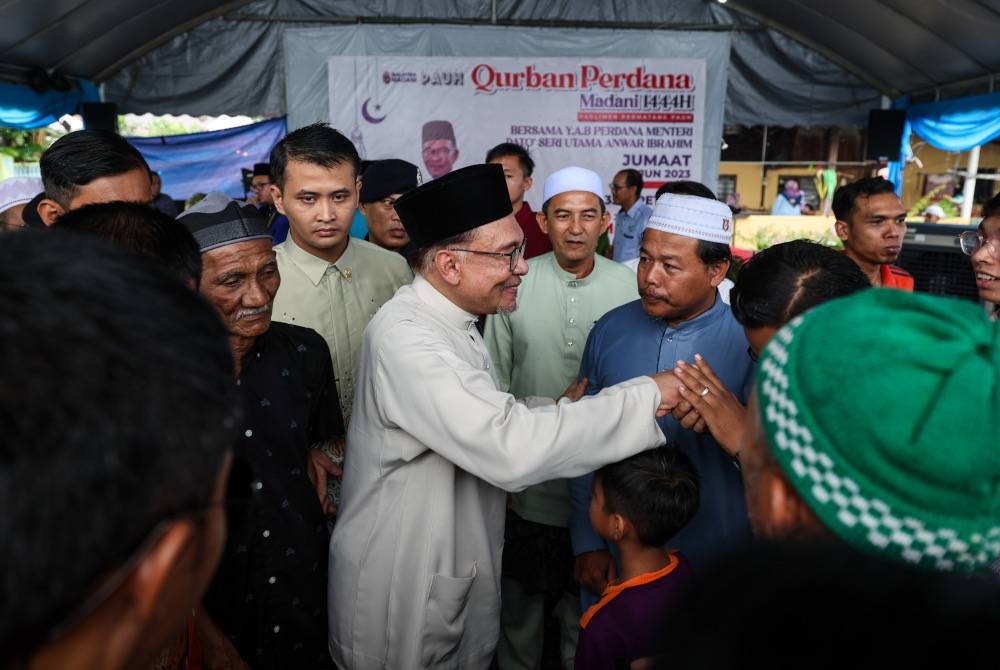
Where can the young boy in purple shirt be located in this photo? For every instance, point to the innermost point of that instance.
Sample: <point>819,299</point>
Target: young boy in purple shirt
<point>639,504</point>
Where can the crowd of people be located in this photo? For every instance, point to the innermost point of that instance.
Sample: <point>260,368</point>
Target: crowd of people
<point>243,438</point>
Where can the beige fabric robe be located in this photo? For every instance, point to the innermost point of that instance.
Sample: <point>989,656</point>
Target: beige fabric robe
<point>431,449</point>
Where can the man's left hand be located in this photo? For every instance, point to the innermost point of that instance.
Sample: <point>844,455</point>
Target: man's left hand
<point>723,413</point>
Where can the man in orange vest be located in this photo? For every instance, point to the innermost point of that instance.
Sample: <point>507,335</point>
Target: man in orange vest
<point>871,222</point>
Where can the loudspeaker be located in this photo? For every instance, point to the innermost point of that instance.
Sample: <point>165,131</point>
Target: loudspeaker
<point>100,116</point>
<point>885,133</point>
<point>932,255</point>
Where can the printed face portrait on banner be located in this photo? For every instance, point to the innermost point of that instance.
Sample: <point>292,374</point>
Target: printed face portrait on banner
<point>605,114</point>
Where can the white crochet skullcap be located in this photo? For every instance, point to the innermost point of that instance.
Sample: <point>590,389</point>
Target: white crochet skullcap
<point>572,179</point>
<point>693,216</point>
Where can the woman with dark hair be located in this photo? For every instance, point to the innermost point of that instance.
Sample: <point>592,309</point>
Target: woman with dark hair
<point>776,285</point>
<point>983,249</point>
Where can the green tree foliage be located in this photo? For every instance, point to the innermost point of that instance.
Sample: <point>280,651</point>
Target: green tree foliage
<point>25,146</point>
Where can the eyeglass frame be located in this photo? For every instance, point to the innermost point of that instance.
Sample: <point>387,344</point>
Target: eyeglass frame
<point>514,255</point>
<point>981,241</point>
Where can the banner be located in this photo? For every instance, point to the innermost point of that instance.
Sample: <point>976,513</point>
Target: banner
<point>605,114</point>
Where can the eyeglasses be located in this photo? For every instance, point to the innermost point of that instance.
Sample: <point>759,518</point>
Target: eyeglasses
<point>514,256</point>
<point>972,241</point>
<point>260,185</point>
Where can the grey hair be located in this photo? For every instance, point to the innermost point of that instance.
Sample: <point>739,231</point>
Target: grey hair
<point>422,260</point>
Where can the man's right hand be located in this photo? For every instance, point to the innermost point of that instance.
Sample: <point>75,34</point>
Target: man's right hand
<point>594,569</point>
<point>670,395</point>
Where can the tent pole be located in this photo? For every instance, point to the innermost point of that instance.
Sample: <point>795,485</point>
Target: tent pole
<point>969,190</point>
<point>763,171</point>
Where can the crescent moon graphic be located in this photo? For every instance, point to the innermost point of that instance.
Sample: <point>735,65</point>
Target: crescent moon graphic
<point>368,117</point>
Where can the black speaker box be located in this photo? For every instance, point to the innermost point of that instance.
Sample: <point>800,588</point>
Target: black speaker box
<point>100,116</point>
<point>885,132</point>
<point>932,255</point>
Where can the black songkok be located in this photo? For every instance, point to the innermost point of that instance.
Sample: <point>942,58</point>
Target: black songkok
<point>453,204</point>
<point>383,178</point>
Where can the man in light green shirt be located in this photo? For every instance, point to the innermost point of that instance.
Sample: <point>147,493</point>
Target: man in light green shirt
<point>330,282</point>
<point>536,351</point>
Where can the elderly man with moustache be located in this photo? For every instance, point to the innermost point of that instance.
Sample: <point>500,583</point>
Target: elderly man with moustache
<point>434,443</point>
<point>267,596</point>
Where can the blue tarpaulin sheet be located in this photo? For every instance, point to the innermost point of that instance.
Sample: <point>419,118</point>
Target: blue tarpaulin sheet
<point>957,125</point>
<point>949,125</point>
<point>203,162</point>
<point>23,107</point>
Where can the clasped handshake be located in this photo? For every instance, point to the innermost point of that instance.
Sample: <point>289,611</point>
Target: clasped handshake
<point>696,398</point>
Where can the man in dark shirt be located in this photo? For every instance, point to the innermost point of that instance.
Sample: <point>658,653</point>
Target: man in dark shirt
<point>263,200</point>
<point>269,595</point>
<point>382,183</point>
<point>517,168</point>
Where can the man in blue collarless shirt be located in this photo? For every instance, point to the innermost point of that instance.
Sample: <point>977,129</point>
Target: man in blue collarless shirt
<point>684,256</point>
<point>630,221</point>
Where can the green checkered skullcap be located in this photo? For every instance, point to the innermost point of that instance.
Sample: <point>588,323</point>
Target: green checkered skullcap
<point>883,410</point>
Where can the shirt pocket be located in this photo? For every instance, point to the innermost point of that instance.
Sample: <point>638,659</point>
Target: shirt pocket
<point>444,619</point>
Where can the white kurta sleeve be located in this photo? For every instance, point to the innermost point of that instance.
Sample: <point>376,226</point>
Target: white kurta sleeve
<point>430,391</point>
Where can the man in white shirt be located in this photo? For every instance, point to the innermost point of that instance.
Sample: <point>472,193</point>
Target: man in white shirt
<point>434,444</point>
